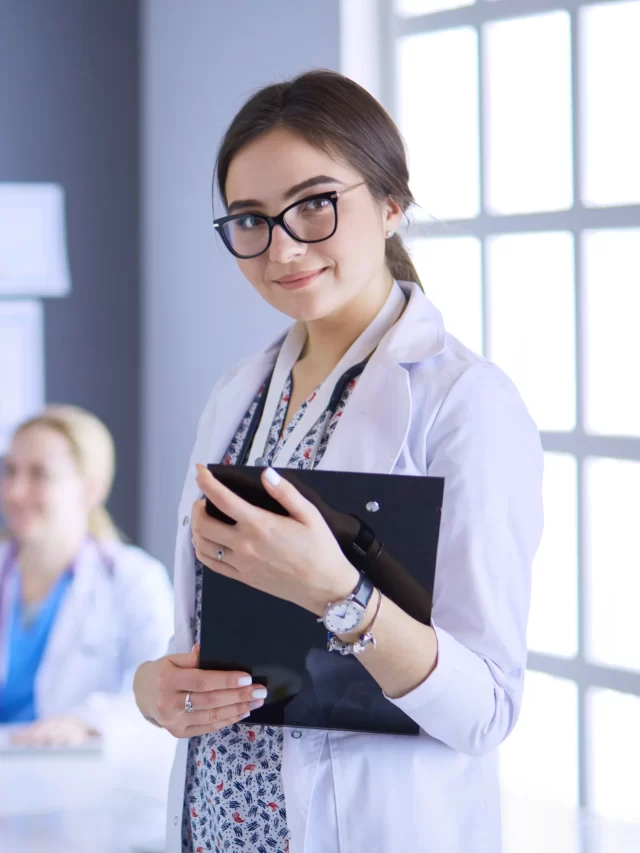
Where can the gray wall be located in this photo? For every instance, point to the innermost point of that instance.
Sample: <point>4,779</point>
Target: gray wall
<point>201,60</point>
<point>69,113</point>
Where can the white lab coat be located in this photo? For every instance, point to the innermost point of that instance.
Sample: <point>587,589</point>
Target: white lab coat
<point>424,405</point>
<point>117,613</point>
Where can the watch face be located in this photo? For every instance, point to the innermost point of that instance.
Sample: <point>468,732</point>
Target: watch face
<point>342,617</point>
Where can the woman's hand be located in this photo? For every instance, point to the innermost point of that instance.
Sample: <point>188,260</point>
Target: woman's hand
<point>295,557</point>
<point>59,731</point>
<point>218,699</point>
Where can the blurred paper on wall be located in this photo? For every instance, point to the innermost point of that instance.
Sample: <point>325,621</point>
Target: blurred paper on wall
<point>33,247</point>
<point>21,364</point>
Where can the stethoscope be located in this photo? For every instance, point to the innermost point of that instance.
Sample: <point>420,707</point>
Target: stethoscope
<point>336,396</point>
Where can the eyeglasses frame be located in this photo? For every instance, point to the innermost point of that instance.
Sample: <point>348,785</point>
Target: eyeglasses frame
<point>272,221</point>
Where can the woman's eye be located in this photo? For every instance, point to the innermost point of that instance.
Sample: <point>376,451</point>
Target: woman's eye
<point>247,223</point>
<point>316,204</point>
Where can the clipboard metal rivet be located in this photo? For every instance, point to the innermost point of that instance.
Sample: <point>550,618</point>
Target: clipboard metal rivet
<point>373,506</point>
<point>296,735</point>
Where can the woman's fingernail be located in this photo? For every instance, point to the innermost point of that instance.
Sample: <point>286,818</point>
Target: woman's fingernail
<point>245,681</point>
<point>254,705</point>
<point>272,476</point>
<point>244,716</point>
<point>259,693</point>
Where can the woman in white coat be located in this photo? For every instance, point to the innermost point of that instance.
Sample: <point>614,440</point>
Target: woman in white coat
<point>79,609</point>
<point>314,179</point>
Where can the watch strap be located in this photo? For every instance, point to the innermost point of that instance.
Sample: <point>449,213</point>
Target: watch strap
<point>363,592</point>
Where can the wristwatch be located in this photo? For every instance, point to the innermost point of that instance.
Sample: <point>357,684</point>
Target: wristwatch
<point>341,617</point>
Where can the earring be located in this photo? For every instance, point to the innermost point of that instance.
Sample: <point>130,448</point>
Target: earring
<point>389,234</point>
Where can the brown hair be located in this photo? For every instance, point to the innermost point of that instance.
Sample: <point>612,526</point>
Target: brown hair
<point>94,451</point>
<point>337,116</point>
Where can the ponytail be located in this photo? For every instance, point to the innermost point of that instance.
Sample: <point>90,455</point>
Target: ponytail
<point>102,526</point>
<point>399,261</point>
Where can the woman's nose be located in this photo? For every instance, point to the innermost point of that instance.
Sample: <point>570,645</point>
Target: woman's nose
<point>284,248</point>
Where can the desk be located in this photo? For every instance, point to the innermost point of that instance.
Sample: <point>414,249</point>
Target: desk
<point>80,802</point>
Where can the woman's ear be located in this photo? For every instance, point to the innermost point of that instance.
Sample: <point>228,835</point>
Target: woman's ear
<point>392,216</point>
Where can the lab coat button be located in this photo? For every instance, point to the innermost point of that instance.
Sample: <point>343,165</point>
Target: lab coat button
<point>175,820</point>
<point>185,521</point>
<point>296,735</point>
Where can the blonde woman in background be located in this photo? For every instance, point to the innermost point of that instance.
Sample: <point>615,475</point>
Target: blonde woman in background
<point>79,609</point>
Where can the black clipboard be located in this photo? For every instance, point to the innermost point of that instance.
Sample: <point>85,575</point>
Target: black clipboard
<point>387,526</point>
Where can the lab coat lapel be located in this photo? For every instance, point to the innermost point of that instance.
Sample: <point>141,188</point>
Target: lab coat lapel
<point>77,610</point>
<point>232,403</point>
<point>375,422</point>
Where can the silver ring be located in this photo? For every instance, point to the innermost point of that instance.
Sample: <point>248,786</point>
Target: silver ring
<point>188,707</point>
<point>220,554</point>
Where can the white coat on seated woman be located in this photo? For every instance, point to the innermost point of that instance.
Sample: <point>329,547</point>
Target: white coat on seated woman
<point>113,602</point>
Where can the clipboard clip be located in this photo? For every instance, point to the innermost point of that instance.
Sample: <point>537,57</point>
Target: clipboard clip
<point>365,543</point>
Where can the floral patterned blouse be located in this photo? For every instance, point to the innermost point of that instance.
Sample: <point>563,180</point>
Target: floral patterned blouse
<point>234,795</point>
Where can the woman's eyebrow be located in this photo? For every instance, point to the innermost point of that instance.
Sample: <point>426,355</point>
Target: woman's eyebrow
<point>290,193</point>
<point>311,182</point>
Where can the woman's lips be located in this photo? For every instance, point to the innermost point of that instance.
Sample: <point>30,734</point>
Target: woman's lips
<point>296,281</point>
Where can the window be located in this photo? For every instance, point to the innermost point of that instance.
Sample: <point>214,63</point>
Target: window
<point>522,121</point>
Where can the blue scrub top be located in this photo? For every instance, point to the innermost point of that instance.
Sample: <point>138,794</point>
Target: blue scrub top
<point>27,642</point>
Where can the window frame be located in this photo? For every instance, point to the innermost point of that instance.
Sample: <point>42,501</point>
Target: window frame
<point>578,443</point>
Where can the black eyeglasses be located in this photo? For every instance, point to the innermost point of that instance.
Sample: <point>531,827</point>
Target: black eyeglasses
<point>310,220</point>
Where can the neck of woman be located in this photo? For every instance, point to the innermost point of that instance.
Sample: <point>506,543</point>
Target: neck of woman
<point>41,562</point>
<point>331,337</point>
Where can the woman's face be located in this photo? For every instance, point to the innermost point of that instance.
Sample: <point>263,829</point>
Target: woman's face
<point>310,281</point>
<point>41,491</point>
